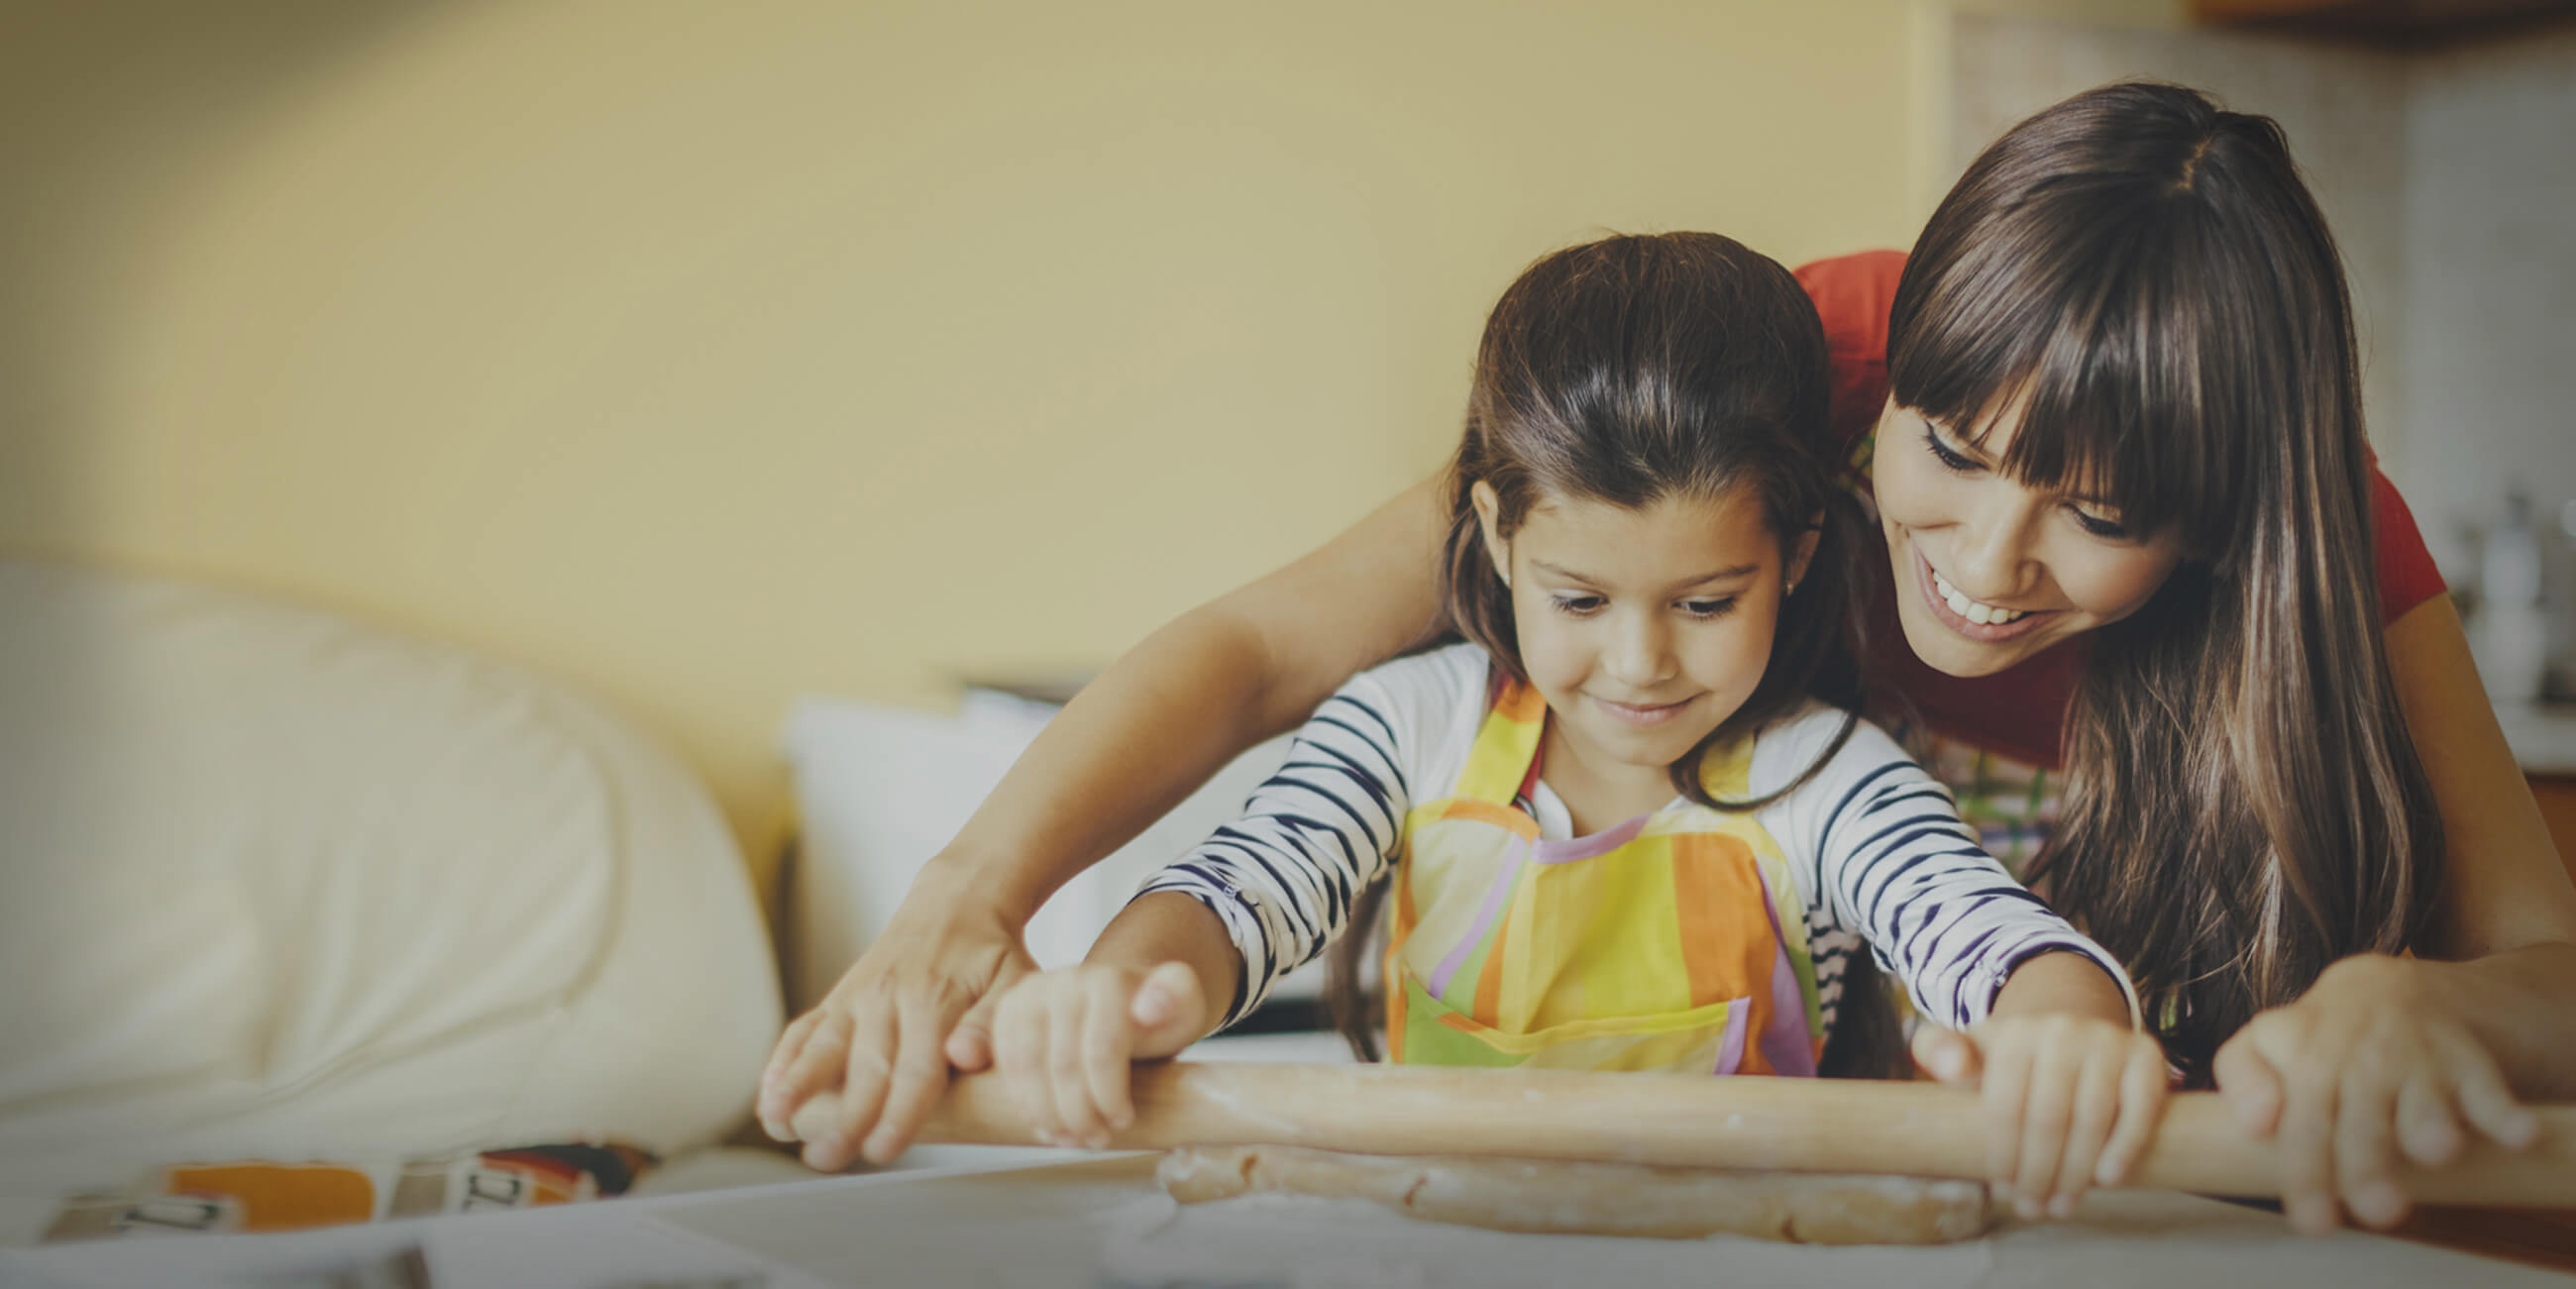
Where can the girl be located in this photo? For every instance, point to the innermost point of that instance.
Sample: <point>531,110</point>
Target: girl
<point>1622,833</point>
<point>2112,393</point>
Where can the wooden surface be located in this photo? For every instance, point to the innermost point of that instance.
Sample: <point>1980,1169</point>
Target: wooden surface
<point>1805,1125</point>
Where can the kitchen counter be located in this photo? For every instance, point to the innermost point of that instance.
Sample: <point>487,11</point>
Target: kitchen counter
<point>2543,736</point>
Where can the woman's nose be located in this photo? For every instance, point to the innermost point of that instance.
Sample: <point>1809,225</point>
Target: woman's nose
<point>1991,554</point>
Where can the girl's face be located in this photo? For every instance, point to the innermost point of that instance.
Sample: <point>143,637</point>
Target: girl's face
<point>1990,570</point>
<point>1642,628</point>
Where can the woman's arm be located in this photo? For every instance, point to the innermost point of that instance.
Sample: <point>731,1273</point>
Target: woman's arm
<point>2388,1056</point>
<point>2508,918</point>
<point>1130,746</point>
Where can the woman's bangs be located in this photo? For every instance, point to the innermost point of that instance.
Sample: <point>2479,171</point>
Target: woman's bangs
<point>2101,365</point>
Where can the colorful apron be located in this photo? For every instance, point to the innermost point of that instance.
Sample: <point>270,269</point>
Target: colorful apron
<point>1674,942</point>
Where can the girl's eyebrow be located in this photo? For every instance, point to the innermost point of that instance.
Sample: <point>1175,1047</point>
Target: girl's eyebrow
<point>1723,574</point>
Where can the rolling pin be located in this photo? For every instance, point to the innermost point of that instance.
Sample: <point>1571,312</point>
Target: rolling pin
<point>1688,1121</point>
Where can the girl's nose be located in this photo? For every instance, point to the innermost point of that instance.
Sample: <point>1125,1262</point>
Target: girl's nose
<point>1641,654</point>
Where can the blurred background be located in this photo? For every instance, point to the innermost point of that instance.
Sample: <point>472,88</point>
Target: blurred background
<point>710,354</point>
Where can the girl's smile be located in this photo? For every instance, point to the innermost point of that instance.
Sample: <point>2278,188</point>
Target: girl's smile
<point>1644,715</point>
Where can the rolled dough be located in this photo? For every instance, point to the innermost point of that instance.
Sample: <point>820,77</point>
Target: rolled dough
<point>1597,1198</point>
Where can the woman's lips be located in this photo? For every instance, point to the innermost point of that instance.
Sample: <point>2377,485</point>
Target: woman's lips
<point>1981,632</point>
<point>1643,714</point>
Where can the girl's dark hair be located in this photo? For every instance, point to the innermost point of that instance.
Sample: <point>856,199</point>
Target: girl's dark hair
<point>1626,371</point>
<point>2148,276</point>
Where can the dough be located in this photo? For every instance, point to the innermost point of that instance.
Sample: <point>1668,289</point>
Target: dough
<point>1597,1198</point>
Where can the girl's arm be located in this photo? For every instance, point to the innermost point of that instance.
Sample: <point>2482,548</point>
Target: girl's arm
<point>1136,741</point>
<point>2388,1056</point>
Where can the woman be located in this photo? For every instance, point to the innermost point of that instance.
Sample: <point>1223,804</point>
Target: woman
<point>2131,523</point>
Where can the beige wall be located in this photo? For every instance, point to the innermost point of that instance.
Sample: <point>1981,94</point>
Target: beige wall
<point>713,353</point>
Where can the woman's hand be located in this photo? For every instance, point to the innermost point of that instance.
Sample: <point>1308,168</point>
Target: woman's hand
<point>1063,1041</point>
<point>918,1000</point>
<point>2365,1068</point>
<point>2071,1101</point>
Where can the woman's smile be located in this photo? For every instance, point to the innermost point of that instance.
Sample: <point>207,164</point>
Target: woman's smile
<point>1984,623</point>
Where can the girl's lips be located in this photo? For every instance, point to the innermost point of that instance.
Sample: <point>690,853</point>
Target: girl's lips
<point>1983,633</point>
<point>1642,714</point>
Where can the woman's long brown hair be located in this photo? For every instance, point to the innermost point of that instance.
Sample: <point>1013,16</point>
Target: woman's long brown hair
<point>1629,370</point>
<point>2147,276</point>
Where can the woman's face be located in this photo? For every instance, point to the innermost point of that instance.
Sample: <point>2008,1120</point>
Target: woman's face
<point>1990,570</point>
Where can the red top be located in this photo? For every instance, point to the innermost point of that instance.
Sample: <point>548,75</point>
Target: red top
<point>2019,712</point>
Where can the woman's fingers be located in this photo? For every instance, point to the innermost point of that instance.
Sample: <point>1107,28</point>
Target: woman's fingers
<point>920,1074</point>
<point>777,1104</point>
<point>2428,1128</point>
<point>2485,1101</point>
<point>860,1055</point>
<point>2365,1148</point>
<point>2250,1083</point>
<point>2304,1146</point>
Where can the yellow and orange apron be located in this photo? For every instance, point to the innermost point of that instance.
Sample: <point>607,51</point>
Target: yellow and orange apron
<point>1674,942</point>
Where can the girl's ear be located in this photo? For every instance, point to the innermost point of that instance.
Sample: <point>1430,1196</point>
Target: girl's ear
<point>1804,552</point>
<point>1489,509</point>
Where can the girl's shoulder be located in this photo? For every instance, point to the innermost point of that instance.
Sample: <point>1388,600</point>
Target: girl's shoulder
<point>1427,706</point>
<point>1785,748</point>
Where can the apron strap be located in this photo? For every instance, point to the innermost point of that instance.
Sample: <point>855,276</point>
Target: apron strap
<point>1505,754</point>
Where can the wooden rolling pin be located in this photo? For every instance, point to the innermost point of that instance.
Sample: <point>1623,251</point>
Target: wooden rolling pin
<point>1799,1125</point>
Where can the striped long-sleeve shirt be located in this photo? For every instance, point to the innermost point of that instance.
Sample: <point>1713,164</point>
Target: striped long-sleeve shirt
<point>1875,844</point>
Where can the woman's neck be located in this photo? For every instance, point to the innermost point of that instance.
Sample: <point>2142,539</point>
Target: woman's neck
<point>1599,793</point>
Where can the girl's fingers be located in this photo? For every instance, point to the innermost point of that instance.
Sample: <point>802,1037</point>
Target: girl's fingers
<point>970,1045</point>
<point>1948,1055</point>
<point>1020,1054</point>
<point>2427,1127</point>
<point>2365,1147</point>
<point>2097,1108</point>
<point>1107,1051</point>
<point>2007,1085</point>
<point>2250,1083</point>
<point>2047,1109</point>
<point>1166,1006</point>
<point>2142,1104</point>
<point>1076,1119</point>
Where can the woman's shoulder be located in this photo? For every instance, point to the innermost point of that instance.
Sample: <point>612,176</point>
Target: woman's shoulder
<point>1852,294</point>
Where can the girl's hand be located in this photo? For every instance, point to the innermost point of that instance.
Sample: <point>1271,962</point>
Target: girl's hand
<point>919,999</point>
<point>2364,1068</point>
<point>2071,1101</point>
<point>1064,1039</point>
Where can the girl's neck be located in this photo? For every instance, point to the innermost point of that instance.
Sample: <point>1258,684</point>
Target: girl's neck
<point>1599,794</point>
